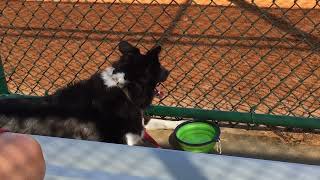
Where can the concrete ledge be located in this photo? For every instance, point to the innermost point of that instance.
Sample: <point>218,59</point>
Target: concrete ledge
<point>76,159</point>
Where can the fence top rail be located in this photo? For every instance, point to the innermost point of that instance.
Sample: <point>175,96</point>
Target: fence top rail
<point>261,3</point>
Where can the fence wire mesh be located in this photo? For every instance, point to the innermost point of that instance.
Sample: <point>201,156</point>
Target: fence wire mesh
<point>232,55</point>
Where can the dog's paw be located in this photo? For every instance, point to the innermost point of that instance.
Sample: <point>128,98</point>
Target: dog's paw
<point>133,139</point>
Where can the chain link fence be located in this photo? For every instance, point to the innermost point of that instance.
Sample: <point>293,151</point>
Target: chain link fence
<point>232,55</point>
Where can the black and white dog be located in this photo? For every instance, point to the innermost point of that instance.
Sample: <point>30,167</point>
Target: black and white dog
<point>107,107</point>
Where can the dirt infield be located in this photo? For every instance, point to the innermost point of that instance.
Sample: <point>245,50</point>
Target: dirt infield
<point>232,57</point>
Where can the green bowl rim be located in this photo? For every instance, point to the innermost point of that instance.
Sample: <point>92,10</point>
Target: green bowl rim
<point>214,125</point>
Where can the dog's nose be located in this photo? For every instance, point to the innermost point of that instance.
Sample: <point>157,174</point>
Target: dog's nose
<point>164,75</point>
<point>168,72</point>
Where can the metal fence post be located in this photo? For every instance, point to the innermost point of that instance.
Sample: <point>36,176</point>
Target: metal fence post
<point>3,82</point>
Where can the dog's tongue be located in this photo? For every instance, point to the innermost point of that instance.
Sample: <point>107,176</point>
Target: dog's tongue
<point>158,92</point>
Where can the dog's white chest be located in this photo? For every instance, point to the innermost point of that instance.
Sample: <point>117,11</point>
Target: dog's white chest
<point>113,80</point>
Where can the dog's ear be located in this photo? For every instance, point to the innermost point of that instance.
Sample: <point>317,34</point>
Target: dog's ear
<point>126,48</point>
<point>155,51</point>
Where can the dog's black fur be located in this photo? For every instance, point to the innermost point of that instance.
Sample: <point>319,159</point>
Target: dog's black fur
<point>89,109</point>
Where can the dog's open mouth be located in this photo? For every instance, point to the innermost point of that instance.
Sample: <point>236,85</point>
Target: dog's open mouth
<point>162,78</point>
<point>158,92</point>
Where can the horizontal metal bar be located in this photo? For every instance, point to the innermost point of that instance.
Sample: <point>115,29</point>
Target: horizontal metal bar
<point>252,118</point>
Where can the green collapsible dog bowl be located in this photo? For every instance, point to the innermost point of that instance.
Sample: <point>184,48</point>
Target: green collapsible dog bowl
<point>197,136</point>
